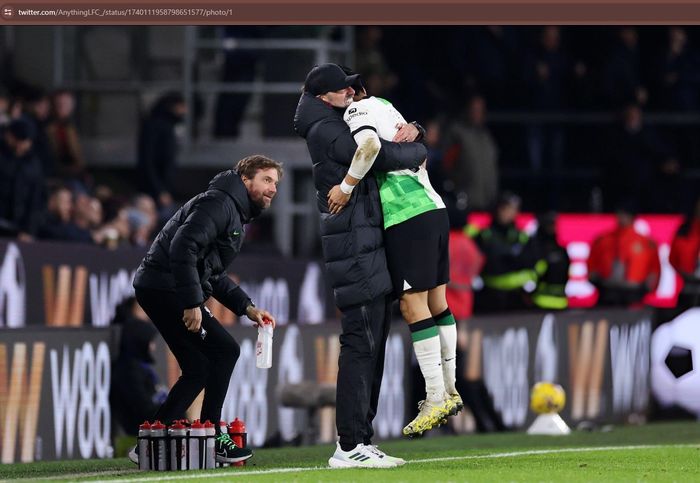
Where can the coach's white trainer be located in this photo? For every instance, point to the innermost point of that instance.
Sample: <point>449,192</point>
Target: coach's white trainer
<point>375,449</point>
<point>359,457</point>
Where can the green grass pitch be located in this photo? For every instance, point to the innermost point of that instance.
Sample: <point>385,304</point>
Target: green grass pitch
<point>656,452</point>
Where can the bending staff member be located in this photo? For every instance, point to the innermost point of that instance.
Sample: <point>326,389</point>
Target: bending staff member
<point>186,265</point>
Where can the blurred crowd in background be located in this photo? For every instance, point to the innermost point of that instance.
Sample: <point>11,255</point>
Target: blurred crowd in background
<point>452,78</point>
<point>46,188</point>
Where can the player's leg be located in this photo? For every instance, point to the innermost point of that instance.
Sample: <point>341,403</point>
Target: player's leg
<point>412,263</point>
<point>447,329</point>
<point>426,345</point>
<point>437,300</point>
<point>426,342</point>
<point>412,256</point>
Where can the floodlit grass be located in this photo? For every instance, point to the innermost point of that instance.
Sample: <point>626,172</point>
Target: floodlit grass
<point>656,452</point>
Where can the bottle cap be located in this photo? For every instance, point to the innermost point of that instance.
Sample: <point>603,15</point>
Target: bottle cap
<point>157,425</point>
<point>178,425</point>
<point>197,424</point>
<point>237,426</point>
<point>145,425</point>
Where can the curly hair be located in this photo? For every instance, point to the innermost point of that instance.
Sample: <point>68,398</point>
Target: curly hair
<point>250,165</point>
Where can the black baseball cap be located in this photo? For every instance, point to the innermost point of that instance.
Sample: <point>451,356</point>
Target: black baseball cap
<point>327,78</point>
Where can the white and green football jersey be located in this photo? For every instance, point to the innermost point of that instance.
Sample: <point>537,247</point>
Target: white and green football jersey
<point>404,193</point>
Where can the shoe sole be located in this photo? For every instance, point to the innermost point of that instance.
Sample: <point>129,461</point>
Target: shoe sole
<point>221,459</point>
<point>437,424</point>
<point>335,463</point>
<point>455,411</point>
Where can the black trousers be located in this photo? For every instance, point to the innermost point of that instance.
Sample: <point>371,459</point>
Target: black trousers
<point>206,363</point>
<point>360,369</point>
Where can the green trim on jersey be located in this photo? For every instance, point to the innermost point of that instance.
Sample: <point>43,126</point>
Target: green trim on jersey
<point>403,197</point>
<point>383,101</point>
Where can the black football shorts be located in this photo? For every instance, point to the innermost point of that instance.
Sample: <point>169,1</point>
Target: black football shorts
<point>417,252</point>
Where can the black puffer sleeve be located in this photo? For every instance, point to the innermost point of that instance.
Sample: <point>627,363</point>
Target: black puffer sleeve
<point>206,220</point>
<point>399,156</point>
<point>230,295</point>
<point>391,157</point>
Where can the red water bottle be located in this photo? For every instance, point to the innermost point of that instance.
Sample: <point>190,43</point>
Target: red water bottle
<point>239,436</point>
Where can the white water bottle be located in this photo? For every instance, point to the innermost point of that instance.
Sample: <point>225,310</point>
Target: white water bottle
<point>263,348</point>
<point>144,446</point>
<point>159,447</point>
<point>197,446</point>
<point>210,456</point>
<point>178,446</point>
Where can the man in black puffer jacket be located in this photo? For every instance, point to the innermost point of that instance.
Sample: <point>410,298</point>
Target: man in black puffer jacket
<point>353,249</point>
<point>186,265</point>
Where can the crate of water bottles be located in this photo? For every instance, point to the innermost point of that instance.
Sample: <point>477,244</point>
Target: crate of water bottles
<point>184,445</point>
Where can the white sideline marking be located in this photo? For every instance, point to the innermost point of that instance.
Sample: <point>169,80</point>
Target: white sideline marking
<point>234,474</point>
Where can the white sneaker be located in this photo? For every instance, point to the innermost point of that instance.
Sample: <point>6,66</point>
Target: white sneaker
<point>375,449</point>
<point>358,457</point>
<point>134,455</point>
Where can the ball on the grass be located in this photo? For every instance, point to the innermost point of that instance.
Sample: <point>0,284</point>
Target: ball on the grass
<point>547,397</point>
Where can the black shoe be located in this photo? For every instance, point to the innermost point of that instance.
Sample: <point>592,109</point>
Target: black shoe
<point>228,452</point>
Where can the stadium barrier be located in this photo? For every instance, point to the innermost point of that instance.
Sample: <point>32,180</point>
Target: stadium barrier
<point>54,393</point>
<point>54,383</point>
<point>600,357</point>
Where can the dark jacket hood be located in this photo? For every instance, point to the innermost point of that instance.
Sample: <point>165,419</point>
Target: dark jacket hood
<point>309,111</point>
<point>231,183</point>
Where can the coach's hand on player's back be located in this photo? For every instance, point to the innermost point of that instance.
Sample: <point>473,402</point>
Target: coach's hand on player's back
<point>192,319</point>
<point>260,316</point>
<point>407,133</point>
